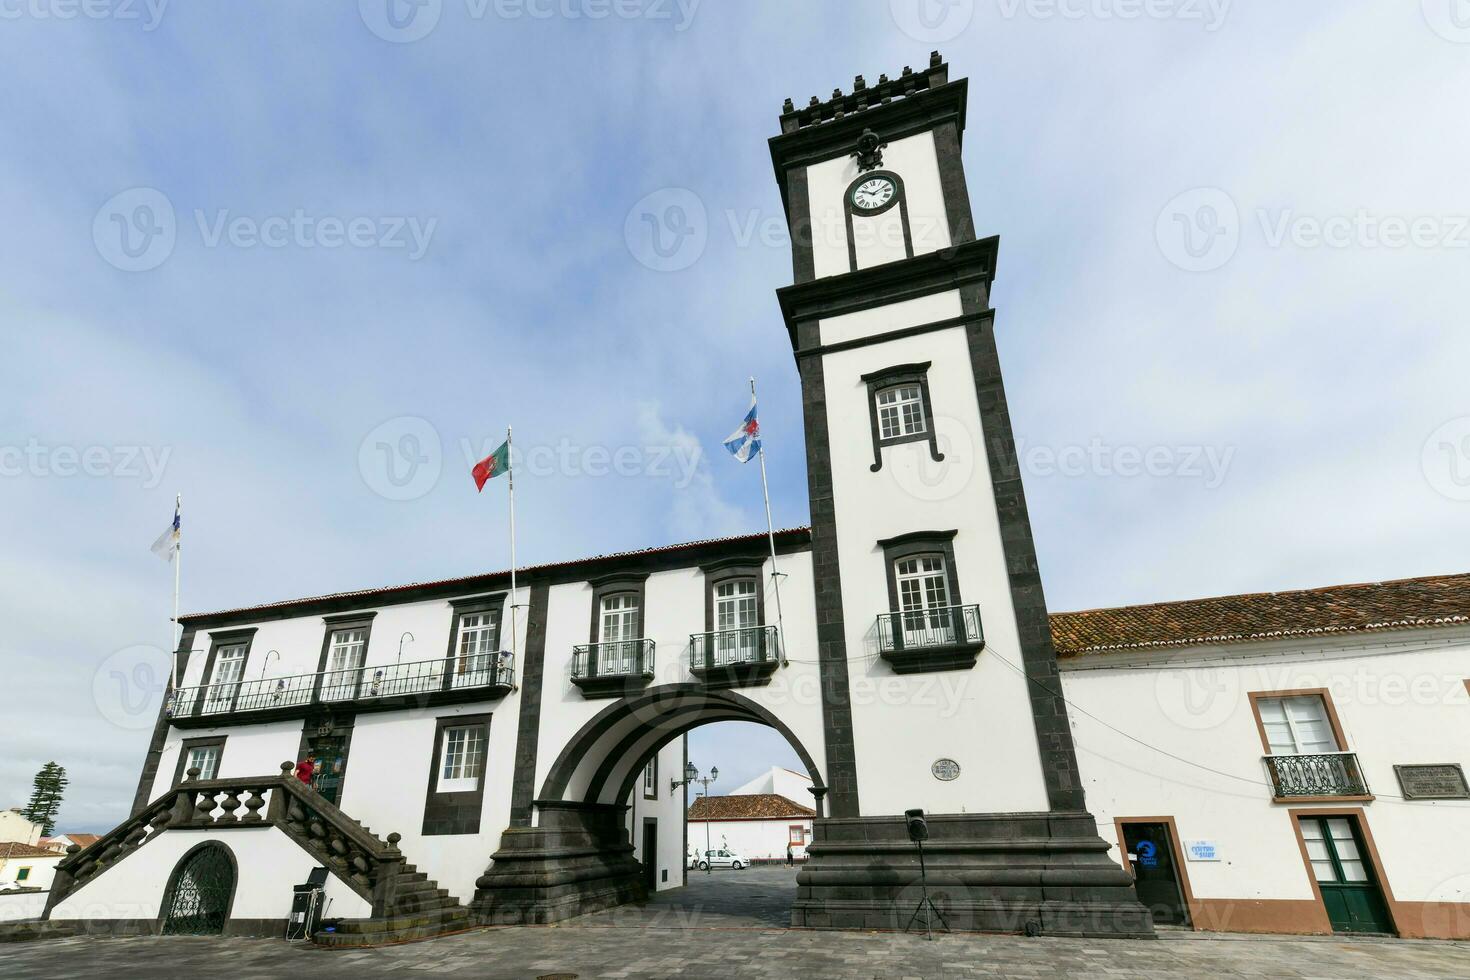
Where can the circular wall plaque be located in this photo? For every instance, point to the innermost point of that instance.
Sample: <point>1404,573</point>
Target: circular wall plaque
<point>945,769</point>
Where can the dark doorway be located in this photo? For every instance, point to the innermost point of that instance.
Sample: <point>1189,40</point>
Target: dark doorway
<point>328,741</point>
<point>1345,876</point>
<point>1155,876</point>
<point>650,854</point>
<point>198,899</point>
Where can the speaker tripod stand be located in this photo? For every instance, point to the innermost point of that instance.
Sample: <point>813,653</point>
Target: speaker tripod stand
<point>926,906</point>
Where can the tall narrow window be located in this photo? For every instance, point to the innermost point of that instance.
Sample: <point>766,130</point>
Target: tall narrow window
<point>650,779</point>
<point>1297,725</point>
<point>478,636</point>
<point>463,759</point>
<point>901,411</point>
<point>619,630</point>
<point>736,617</point>
<point>923,595</point>
<point>229,666</point>
<point>345,653</point>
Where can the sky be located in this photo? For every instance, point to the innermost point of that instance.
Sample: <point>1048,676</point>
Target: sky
<point>299,263</point>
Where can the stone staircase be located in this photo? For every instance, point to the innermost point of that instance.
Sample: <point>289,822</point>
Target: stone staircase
<point>416,909</point>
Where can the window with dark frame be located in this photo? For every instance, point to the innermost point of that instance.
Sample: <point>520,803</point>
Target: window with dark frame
<point>900,409</point>
<point>474,641</point>
<point>458,765</point>
<point>204,754</point>
<point>650,779</point>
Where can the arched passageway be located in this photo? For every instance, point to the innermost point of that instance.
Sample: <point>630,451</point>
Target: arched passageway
<point>576,857</point>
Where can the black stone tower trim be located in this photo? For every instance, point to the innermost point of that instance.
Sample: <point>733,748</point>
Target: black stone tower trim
<point>528,729</point>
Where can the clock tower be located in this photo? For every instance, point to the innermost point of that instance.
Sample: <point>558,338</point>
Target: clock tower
<point>939,681</point>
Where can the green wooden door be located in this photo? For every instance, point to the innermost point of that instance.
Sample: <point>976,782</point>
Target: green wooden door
<point>1349,890</point>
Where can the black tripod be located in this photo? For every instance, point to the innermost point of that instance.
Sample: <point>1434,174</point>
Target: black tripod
<point>926,904</point>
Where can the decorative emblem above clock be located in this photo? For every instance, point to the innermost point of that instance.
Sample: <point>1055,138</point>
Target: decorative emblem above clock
<point>874,193</point>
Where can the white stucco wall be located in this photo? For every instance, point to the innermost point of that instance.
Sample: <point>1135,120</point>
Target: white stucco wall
<point>267,864</point>
<point>16,906</point>
<point>1401,699</point>
<point>981,718</point>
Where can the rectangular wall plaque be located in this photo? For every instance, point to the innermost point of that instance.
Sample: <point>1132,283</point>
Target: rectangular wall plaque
<point>1201,850</point>
<point>1433,782</point>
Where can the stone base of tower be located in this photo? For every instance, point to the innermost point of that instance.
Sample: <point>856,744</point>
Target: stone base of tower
<point>1005,872</point>
<point>578,860</point>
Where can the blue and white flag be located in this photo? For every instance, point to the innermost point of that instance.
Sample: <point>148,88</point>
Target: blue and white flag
<point>167,544</point>
<point>745,441</point>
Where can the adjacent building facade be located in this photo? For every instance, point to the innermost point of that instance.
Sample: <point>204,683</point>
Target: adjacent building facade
<point>1287,762</point>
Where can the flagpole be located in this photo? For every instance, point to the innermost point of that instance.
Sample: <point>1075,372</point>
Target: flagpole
<point>771,537</point>
<point>510,473</point>
<point>173,637</point>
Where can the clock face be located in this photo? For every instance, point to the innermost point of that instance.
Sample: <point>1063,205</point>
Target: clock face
<point>873,194</point>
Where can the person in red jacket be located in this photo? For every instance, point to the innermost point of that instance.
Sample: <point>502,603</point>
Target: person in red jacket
<point>305,768</point>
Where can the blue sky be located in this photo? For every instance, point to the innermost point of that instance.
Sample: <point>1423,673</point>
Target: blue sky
<point>1305,401</point>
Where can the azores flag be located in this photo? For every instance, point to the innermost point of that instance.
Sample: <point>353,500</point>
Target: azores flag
<point>167,544</point>
<point>745,441</point>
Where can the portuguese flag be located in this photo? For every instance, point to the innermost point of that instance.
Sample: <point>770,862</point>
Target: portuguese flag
<point>492,466</point>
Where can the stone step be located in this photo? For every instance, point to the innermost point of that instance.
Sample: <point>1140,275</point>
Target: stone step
<point>388,936</point>
<point>447,917</point>
<point>20,932</point>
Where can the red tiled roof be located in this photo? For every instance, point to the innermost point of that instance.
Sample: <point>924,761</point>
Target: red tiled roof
<point>487,578</point>
<point>83,840</point>
<point>751,806</point>
<point>15,849</point>
<point>1413,603</point>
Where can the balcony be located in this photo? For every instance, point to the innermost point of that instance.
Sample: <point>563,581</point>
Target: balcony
<point>735,658</point>
<point>942,638</point>
<point>612,669</point>
<point>1324,777</point>
<point>379,688</point>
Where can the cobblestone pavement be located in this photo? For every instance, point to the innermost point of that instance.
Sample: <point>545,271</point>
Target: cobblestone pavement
<point>721,927</point>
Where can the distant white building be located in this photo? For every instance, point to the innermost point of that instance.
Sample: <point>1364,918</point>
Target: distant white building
<point>26,866</point>
<point>758,819</point>
<point>14,826</point>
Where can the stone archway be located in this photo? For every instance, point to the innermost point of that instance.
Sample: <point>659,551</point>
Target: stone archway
<point>577,857</point>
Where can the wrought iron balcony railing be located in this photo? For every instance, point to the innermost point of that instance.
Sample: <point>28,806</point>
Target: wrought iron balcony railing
<point>613,658</point>
<point>941,626</point>
<point>359,685</point>
<point>732,648</point>
<point>1323,774</point>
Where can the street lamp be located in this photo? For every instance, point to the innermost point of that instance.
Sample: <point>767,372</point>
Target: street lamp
<point>691,775</point>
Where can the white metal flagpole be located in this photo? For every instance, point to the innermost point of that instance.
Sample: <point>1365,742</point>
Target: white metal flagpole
<point>771,537</point>
<point>173,635</point>
<point>510,474</point>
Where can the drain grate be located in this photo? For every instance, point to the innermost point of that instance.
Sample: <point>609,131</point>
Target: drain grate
<point>557,976</point>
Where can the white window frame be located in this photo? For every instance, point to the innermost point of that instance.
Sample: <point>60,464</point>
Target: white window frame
<point>477,639</point>
<point>617,631</point>
<point>737,607</point>
<point>1278,719</point>
<point>199,753</point>
<point>461,763</point>
<point>227,672</point>
<point>901,411</point>
<point>922,581</point>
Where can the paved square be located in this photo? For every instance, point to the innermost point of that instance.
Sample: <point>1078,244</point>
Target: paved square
<point>727,925</point>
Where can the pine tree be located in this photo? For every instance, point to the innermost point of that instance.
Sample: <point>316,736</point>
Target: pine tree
<point>46,797</point>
